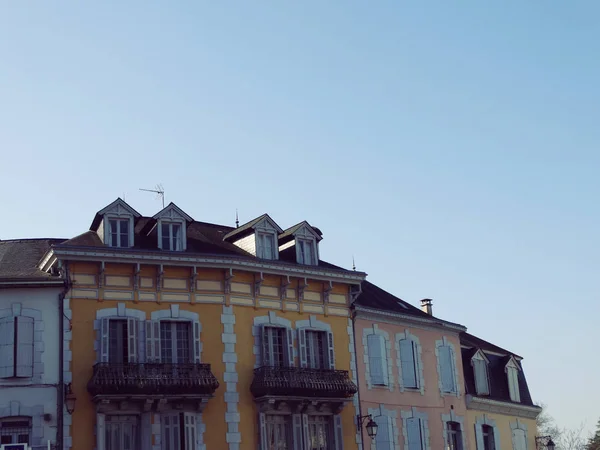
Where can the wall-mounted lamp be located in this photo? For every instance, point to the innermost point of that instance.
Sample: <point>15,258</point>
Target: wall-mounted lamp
<point>544,442</point>
<point>371,425</point>
<point>70,398</point>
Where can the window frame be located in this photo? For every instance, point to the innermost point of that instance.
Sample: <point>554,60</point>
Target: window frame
<point>440,347</point>
<point>119,220</point>
<point>15,433</point>
<point>176,243</point>
<point>174,341</point>
<point>19,347</point>
<point>186,426</point>
<point>133,339</point>
<point>417,361</point>
<point>454,429</point>
<point>512,370</point>
<point>261,235</point>
<point>301,243</point>
<point>267,346</point>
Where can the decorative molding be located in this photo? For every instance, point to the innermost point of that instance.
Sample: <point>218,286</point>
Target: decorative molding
<point>285,282</point>
<point>388,347</point>
<point>228,276</point>
<point>419,361</point>
<point>67,374</point>
<point>460,420</point>
<point>442,343</point>
<point>327,288</point>
<point>422,416</point>
<point>485,420</point>
<point>301,288</point>
<point>392,417</point>
<point>258,280</point>
<point>394,318</point>
<point>499,407</point>
<point>354,376</point>
<point>232,397</point>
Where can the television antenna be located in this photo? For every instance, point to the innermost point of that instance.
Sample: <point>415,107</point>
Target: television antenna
<point>159,191</point>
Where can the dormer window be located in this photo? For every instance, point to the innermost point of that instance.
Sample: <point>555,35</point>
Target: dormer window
<point>257,237</point>
<point>115,224</point>
<point>118,232</point>
<point>265,245</point>
<point>300,242</point>
<point>480,370</point>
<point>171,236</point>
<point>512,374</point>
<point>306,252</point>
<point>171,226</point>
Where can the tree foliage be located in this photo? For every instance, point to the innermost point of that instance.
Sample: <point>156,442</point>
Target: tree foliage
<point>594,441</point>
<point>564,438</point>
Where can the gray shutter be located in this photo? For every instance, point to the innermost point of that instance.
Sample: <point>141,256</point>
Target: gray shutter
<point>24,346</point>
<point>407,363</point>
<point>481,381</point>
<point>338,432</point>
<point>132,340</point>
<point>152,341</point>
<point>149,347</point>
<point>7,342</point>
<point>446,368</point>
<point>375,361</point>
<point>104,342</point>
<point>266,354</point>
<point>305,431</point>
<point>297,431</point>
<point>197,343</point>
<point>330,350</point>
<point>189,428</point>
<point>290,346</point>
<point>302,347</point>
<point>384,361</point>
<point>262,423</point>
<point>413,433</point>
<point>382,439</point>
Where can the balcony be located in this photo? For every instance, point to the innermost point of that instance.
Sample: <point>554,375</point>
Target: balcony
<point>301,382</point>
<point>149,380</point>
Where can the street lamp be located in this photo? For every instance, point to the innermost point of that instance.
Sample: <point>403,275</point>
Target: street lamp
<point>70,398</point>
<point>544,442</point>
<point>371,425</point>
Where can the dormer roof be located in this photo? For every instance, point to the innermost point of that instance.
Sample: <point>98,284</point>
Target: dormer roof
<point>118,207</point>
<point>172,211</point>
<point>264,221</point>
<point>479,354</point>
<point>512,362</point>
<point>302,228</point>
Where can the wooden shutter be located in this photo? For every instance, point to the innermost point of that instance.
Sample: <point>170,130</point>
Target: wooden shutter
<point>297,432</point>
<point>24,366</point>
<point>481,378</point>
<point>189,427</point>
<point>330,351</point>
<point>519,439</point>
<point>306,432</point>
<point>513,384</point>
<point>262,424</point>
<point>413,434</point>
<point>266,353</point>
<point>152,341</point>
<point>338,432</point>
<point>374,344</point>
<point>104,341</point>
<point>446,368</point>
<point>132,339</point>
<point>383,438</point>
<point>289,338</point>
<point>302,347</point>
<point>7,351</point>
<point>196,340</point>
<point>408,363</point>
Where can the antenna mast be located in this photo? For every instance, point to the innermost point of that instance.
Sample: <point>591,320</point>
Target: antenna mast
<point>159,191</point>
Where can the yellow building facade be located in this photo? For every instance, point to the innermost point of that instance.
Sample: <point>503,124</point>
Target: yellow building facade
<point>185,335</point>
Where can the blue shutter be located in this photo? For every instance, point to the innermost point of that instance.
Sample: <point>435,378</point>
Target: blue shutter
<point>289,346</point>
<point>307,444</point>
<point>104,342</point>
<point>383,439</point>
<point>197,344</point>
<point>7,351</point>
<point>481,378</point>
<point>376,366</point>
<point>446,368</point>
<point>132,339</point>
<point>152,341</point>
<point>302,347</point>
<point>330,350</point>
<point>24,367</point>
<point>407,363</point>
<point>338,432</point>
<point>413,433</point>
<point>297,431</point>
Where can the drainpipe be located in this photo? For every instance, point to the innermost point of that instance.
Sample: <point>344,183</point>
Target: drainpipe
<point>359,422</point>
<point>60,391</point>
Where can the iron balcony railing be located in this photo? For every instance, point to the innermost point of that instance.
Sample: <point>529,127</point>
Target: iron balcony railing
<point>152,379</point>
<point>302,382</point>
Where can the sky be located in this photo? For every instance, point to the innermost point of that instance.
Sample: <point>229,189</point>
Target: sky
<point>449,147</point>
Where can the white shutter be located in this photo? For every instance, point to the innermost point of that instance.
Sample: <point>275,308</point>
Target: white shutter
<point>297,431</point>
<point>376,366</point>
<point>481,379</point>
<point>132,340</point>
<point>104,341</point>
<point>262,423</point>
<point>513,384</point>
<point>446,368</point>
<point>7,350</point>
<point>413,433</point>
<point>24,346</point>
<point>189,426</point>
<point>152,341</point>
<point>302,347</point>
<point>338,432</point>
<point>197,343</point>
<point>306,432</point>
<point>407,363</point>
<point>289,337</point>
<point>383,439</point>
<point>330,351</point>
<point>519,439</point>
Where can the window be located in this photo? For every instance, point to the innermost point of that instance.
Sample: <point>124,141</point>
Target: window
<point>122,433</point>
<point>489,442</point>
<point>15,430</point>
<point>414,435</point>
<point>306,252</point>
<point>377,359</point>
<point>519,439</point>
<point>279,432</point>
<point>171,236</point>
<point>446,365</point>
<point>179,431</point>
<point>480,369</point>
<point>265,246</point>
<point>512,372</point>
<point>408,363</point>
<point>320,434</point>
<point>277,350</point>
<point>453,436</point>
<point>16,347</point>
<point>175,342</point>
<point>315,349</point>
<point>119,232</point>
<point>383,438</point>
<point>119,340</point>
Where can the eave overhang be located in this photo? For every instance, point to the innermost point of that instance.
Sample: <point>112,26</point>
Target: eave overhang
<point>378,314</point>
<point>500,407</point>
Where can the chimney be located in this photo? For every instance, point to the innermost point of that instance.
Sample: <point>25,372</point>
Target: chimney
<point>427,306</point>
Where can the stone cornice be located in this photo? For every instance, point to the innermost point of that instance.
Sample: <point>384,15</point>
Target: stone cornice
<point>363,312</point>
<point>500,407</point>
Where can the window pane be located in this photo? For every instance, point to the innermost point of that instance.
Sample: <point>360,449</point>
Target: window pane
<point>315,349</point>
<point>183,342</point>
<point>117,341</point>
<point>166,342</point>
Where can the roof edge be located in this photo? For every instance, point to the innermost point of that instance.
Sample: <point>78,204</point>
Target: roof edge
<point>431,321</point>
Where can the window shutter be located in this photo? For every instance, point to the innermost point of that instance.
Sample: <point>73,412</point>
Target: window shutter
<point>513,384</point>
<point>330,350</point>
<point>189,427</point>
<point>481,379</point>
<point>302,347</point>
<point>519,439</point>
<point>446,368</point>
<point>132,339</point>
<point>374,345</point>
<point>383,438</point>
<point>384,362</point>
<point>307,444</point>
<point>338,432</point>
<point>297,431</point>
<point>197,343</point>
<point>152,341</point>
<point>24,346</point>
<point>266,354</point>
<point>262,422</point>
<point>413,433</point>
<point>104,342</point>
<point>289,337</point>
<point>407,363</point>
<point>7,342</point>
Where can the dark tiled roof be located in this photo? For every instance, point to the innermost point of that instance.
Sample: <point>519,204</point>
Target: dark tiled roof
<point>497,363</point>
<point>19,258</point>
<point>87,239</point>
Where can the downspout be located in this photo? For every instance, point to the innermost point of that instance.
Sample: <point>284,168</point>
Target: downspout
<point>60,391</point>
<point>358,422</point>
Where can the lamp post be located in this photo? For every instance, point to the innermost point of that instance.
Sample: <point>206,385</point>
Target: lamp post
<point>371,425</point>
<point>70,398</point>
<point>544,442</point>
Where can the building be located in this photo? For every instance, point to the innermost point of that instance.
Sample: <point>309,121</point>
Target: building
<point>410,373</point>
<point>31,389</point>
<point>499,405</point>
<point>190,335</point>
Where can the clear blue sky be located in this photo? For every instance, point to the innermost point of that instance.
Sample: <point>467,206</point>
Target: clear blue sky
<point>452,148</point>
